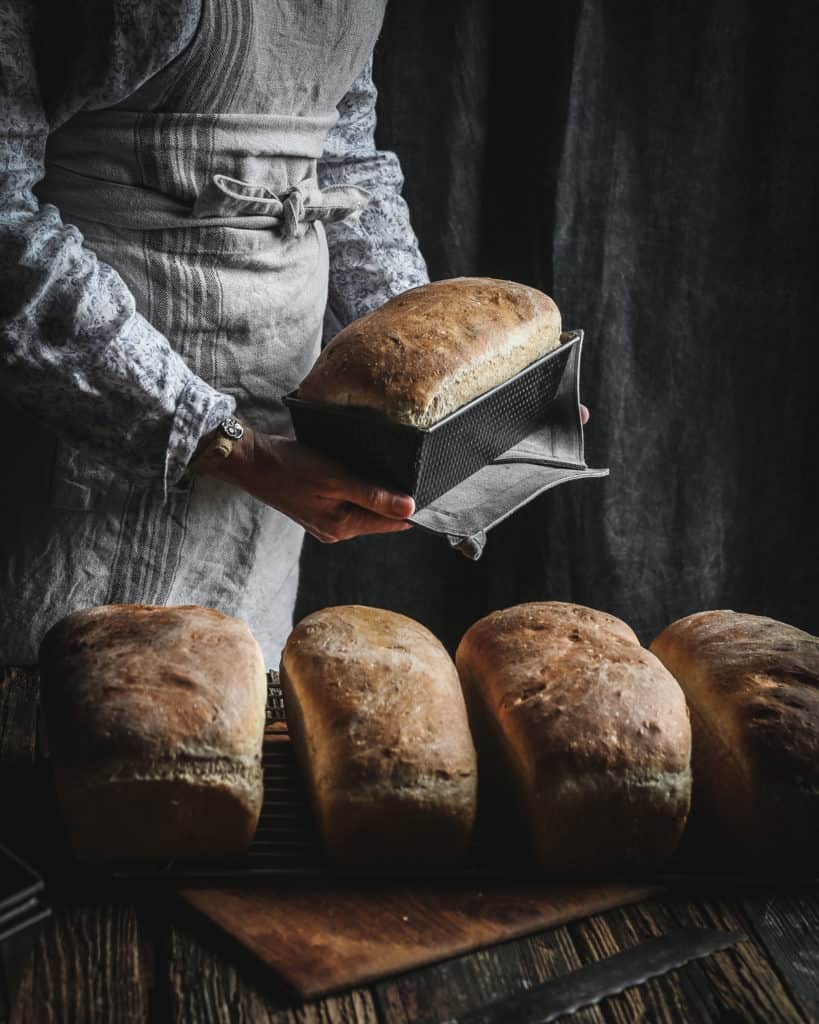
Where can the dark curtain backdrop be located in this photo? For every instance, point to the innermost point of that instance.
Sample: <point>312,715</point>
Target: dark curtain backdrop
<point>654,168</point>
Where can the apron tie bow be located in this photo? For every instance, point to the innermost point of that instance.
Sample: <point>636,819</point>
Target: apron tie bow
<point>292,210</point>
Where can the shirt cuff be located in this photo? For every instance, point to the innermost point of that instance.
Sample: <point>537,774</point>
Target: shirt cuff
<point>199,409</point>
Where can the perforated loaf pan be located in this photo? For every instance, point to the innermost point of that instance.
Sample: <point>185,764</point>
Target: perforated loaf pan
<point>427,462</point>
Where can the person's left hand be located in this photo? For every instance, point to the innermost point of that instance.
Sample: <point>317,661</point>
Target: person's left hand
<point>320,494</point>
<point>584,415</point>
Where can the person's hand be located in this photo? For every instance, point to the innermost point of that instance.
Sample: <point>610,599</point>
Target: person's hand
<point>331,503</point>
<point>584,415</point>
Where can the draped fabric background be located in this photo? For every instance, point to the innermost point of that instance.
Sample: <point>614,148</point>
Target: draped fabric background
<point>654,168</point>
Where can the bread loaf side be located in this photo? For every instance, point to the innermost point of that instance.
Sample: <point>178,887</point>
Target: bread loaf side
<point>752,684</point>
<point>434,348</point>
<point>588,730</point>
<point>155,718</point>
<point>378,722</point>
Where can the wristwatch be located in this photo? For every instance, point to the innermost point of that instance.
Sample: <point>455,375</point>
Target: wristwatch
<point>216,446</point>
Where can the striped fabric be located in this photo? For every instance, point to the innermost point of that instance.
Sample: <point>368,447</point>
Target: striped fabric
<point>243,306</point>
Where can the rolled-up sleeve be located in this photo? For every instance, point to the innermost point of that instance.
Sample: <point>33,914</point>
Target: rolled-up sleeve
<point>376,255</point>
<point>74,352</point>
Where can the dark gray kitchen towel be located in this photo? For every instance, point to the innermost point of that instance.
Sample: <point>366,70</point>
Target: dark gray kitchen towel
<point>552,455</point>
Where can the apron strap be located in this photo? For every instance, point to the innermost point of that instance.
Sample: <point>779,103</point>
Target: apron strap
<point>224,202</point>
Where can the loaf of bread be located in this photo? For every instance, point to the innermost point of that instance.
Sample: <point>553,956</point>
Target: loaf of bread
<point>589,733</point>
<point>752,686</point>
<point>155,718</point>
<point>434,348</point>
<point>378,722</point>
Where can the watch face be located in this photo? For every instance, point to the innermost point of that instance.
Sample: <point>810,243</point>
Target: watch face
<point>232,428</point>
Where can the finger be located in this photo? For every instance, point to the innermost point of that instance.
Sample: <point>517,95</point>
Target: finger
<point>374,498</point>
<point>353,521</point>
<point>320,535</point>
<point>584,415</point>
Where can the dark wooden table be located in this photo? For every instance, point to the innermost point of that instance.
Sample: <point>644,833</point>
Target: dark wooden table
<point>116,961</point>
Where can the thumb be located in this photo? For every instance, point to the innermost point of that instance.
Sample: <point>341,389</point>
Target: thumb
<point>375,498</point>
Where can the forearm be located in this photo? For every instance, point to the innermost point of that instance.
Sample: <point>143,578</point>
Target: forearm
<point>74,353</point>
<point>76,356</point>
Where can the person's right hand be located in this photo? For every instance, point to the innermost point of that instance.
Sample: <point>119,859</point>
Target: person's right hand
<point>331,503</point>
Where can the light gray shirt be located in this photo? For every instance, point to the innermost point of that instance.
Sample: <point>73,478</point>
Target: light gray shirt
<point>74,351</point>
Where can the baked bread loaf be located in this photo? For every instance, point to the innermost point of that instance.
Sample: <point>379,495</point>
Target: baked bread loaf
<point>589,732</point>
<point>155,718</point>
<point>752,686</point>
<point>432,349</point>
<point>379,726</point>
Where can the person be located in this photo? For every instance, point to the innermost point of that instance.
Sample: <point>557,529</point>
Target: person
<point>190,195</point>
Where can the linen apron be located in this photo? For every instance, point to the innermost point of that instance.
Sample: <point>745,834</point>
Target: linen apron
<point>200,191</point>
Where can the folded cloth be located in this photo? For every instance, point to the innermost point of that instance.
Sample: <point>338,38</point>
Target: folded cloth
<point>550,456</point>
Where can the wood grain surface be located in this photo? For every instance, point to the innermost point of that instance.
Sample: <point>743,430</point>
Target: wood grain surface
<point>325,938</point>
<point>102,962</point>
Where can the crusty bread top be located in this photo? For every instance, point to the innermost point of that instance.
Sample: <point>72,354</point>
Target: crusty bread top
<point>380,695</point>
<point>432,349</point>
<point>580,677</point>
<point>144,683</point>
<point>755,681</point>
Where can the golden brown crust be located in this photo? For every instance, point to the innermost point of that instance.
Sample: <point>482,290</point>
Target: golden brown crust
<point>753,686</point>
<point>169,702</point>
<point>378,722</point>
<point>432,349</point>
<point>591,731</point>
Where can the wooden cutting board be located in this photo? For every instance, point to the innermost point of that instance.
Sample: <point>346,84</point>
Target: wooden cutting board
<point>324,938</point>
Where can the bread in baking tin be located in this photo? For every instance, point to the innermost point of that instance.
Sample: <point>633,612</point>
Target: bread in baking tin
<point>155,718</point>
<point>432,349</point>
